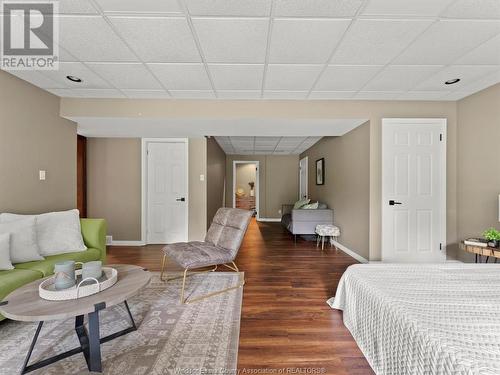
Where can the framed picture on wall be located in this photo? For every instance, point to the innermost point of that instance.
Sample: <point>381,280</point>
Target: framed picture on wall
<point>320,171</point>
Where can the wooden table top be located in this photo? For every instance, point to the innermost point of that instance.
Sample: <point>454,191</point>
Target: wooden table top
<point>25,304</point>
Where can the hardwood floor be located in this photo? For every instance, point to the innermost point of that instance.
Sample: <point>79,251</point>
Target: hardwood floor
<point>286,323</point>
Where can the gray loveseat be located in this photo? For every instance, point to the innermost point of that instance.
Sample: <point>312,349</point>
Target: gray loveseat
<point>303,221</point>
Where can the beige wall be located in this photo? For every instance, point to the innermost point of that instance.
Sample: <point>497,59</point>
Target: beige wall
<point>216,178</point>
<point>197,189</point>
<point>278,181</point>
<point>33,137</point>
<point>245,173</point>
<point>373,111</point>
<point>114,185</point>
<point>347,184</point>
<point>478,164</point>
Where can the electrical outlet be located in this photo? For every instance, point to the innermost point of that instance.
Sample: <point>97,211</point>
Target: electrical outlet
<point>279,212</point>
<point>41,175</point>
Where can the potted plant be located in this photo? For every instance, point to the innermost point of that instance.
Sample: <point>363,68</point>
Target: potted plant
<point>492,236</point>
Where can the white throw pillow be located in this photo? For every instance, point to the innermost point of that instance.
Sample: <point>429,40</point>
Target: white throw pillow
<point>23,245</point>
<point>5,263</point>
<point>57,232</point>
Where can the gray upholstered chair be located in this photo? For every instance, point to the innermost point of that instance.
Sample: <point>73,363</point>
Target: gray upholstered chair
<point>220,247</point>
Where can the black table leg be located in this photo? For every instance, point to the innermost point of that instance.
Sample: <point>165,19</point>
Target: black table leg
<point>90,342</point>
<point>32,346</point>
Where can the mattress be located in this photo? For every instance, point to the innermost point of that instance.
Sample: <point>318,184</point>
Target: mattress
<point>424,319</point>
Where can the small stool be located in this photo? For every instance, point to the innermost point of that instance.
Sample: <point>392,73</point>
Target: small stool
<point>326,230</point>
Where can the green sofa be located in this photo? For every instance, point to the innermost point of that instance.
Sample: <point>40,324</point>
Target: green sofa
<point>94,236</point>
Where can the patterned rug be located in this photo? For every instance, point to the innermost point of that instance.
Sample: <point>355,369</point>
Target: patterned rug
<point>200,338</point>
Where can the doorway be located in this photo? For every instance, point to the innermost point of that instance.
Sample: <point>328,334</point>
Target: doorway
<point>246,185</point>
<point>165,184</point>
<point>303,176</point>
<point>414,190</point>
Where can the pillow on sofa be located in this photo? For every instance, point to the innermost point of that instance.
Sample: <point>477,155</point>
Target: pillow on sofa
<point>300,203</point>
<point>23,245</point>
<point>57,232</point>
<point>5,263</point>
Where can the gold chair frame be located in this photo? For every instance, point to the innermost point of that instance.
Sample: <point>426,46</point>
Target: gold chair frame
<point>232,266</point>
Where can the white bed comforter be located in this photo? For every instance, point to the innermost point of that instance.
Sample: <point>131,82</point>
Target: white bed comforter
<point>424,319</point>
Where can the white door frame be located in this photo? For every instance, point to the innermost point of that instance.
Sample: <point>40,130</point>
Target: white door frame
<point>306,158</point>
<point>442,122</point>
<point>144,182</point>
<point>257,184</point>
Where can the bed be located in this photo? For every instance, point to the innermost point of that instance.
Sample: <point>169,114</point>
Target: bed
<point>424,319</point>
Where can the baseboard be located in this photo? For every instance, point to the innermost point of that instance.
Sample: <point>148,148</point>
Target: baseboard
<point>270,219</point>
<point>127,243</point>
<point>349,252</point>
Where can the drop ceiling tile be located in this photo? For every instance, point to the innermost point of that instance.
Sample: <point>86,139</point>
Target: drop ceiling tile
<point>268,139</point>
<point>482,83</point>
<point>377,95</point>
<point>229,40</point>
<point>64,93</point>
<point>285,95</point>
<point>88,77</point>
<point>237,77</point>
<point>474,9</point>
<point>229,7</point>
<point>305,40</point>
<point>331,95</point>
<point>146,94</point>
<point>38,79</point>
<point>95,93</point>
<point>487,53</point>
<point>192,94</point>
<point>126,76</point>
<point>90,38</point>
<point>142,6</point>
<point>346,77</point>
<point>316,8</point>
<point>291,77</point>
<point>447,40</point>
<point>373,42</point>
<point>405,7</point>
<point>422,95</point>
<point>468,74</point>
<point>76,6</point>
<point>182,76</point>
<point>401,77</point>
<point>240,94</point>
<point>158,39</point>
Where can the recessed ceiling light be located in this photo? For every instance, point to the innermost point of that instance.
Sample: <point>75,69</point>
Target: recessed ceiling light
<point>452,81</point>
<point>74,79</point>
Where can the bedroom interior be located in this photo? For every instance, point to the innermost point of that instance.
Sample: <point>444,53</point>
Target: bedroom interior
<point>275,186</point>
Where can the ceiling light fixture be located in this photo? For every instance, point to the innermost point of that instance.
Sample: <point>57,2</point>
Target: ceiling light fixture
<point>452,81</point>
<point>74,79</point>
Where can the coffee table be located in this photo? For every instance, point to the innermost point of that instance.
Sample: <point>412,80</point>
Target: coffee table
<point>24,304</point>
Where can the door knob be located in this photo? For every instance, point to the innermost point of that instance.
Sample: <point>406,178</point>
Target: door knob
<point>392,203</point>
<point>181,199</point>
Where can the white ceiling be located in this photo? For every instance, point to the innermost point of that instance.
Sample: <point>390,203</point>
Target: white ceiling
<point>265,145</point>
<point>276,49</point>
<point>196,127</point>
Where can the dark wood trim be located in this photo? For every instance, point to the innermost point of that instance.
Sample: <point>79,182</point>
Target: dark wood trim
<point>81,175</point>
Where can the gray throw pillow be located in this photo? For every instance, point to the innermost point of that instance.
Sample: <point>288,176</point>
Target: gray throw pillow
<point>23,245</point>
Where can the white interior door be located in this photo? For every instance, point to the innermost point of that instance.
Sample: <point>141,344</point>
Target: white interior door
<point>303,175</point>
<point>413,190</point>
<point>167,206</point>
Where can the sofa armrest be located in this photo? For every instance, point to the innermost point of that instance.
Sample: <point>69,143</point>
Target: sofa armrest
<point>94,235</point>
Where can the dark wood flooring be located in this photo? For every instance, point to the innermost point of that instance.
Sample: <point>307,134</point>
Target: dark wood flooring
<point>286,323</point>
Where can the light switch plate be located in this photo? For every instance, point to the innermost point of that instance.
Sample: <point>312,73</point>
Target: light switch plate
<point>41,175</point>
<point>202,177</point>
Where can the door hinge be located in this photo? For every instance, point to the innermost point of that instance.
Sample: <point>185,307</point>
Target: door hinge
<point>441,137</point>
<point>440,246</point>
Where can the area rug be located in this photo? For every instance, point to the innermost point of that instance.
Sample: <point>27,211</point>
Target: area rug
<point>199,338</point>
